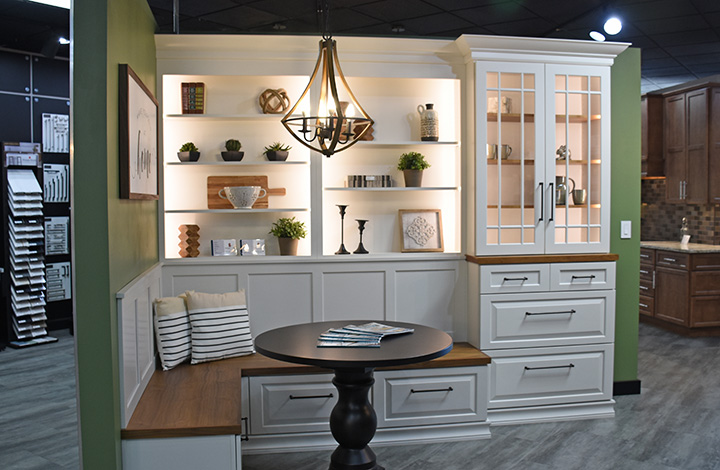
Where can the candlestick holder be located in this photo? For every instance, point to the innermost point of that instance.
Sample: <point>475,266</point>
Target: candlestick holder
<point>361,249</point>
<point>342,250</point>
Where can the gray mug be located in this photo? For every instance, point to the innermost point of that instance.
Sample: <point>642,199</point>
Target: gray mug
<point>579,196</point>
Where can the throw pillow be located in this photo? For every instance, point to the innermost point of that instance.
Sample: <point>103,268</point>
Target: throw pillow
<point>220,326</point>
<point>172,330</point>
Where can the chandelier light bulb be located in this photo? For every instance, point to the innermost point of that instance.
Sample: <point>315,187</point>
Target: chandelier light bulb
<point>613,26</point>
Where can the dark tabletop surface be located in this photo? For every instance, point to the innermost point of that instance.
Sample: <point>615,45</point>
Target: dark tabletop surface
<point>298,344</point>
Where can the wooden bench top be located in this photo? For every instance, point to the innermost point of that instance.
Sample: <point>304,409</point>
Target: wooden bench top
<point>204,399</point>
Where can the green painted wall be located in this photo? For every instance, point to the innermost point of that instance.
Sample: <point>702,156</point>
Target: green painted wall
<point>115,240</point>
<point>625,200</point>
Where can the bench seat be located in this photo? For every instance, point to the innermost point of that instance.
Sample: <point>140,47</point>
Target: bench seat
<point>204,399</point>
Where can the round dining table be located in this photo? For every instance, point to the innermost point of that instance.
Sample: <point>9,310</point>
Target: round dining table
<point>353,421</point>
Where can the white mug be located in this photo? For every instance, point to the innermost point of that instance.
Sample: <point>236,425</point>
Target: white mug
<point>242,197</point>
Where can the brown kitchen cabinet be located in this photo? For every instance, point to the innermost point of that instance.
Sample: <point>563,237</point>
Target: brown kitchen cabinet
<point>652,158</point>
<point>691,144</point>
<point>681,290</point>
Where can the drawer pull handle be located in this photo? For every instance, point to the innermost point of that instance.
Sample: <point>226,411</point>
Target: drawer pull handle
<point>521,279</point>
<point>642,271</point>
<point>552,313</point>
<point>671,260</point>
<point>643,305</point>
<point>590,276</point>
<point>644,288</point>
<point>245,436</point>
<point>293,397</point>
<point>449,389</point>
<point>568,366</point>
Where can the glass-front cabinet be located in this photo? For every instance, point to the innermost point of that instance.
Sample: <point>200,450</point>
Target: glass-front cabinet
<point>542,158</point>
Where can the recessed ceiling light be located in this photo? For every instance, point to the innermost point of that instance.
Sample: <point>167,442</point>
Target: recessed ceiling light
<point>613,26</point>
<point>398,28</point>
<point>597,36</point>
<point>55,3</point>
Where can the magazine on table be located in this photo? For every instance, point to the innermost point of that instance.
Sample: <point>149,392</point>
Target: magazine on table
<point>359,336</point>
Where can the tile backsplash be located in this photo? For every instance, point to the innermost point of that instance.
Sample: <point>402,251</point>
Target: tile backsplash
<point>661,221</point>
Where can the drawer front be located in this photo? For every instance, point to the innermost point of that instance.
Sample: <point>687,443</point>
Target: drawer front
<point>551,376</point>
<point>418,397</point>
<point>647,273</point>
<point>546,319</point>
<point>512,278</point>
<point>672,259</point>
<point>647,256</point>
<point>647,306</point>
<point>647,287</point>
<point>297,403</point>
<point>705,262</point>
<point>705,283</point>
<point>582,276</point>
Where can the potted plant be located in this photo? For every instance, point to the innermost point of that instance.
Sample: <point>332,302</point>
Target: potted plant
<point>188,153</point>
<point>412,165</point>
<point>233,153</point>
<point>288,231</point>
<point>277,152</point>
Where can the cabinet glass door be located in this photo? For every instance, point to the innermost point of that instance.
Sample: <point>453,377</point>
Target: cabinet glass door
<point>509,159</point>
<point>578,150</point>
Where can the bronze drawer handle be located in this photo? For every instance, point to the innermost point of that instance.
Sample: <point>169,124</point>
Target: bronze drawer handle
<point>568,366</point>
<point>590,276</point>
<point>293,397</point>
<point>521,279</point>
<point>552,313</point>
<point>449,389</point>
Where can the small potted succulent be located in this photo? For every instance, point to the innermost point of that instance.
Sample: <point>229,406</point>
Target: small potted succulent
<point>233,153</point>
<point>188,153</point>
<point>288,231</point>
<point>412,165</point>
<point>277,152</point>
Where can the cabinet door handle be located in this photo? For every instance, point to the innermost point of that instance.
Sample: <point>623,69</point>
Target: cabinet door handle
<point>521,279</point>
<point>590,276</point>
<point>449,389</point>
<point>653,279</point>
<point>684,189</point>
<point>552,202</point>
<point>246,435</point>
<point>680,190</point>
<point>293,397</point>
<point>551,313</point>
<point>568,366</point>
<point>542,201</point>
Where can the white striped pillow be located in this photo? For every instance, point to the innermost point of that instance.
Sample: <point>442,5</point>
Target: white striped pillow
<point>172,330</point>
<point>220,326</point>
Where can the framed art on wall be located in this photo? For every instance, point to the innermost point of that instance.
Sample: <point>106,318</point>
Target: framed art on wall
<point>138,137</point>
<point>421,230</point>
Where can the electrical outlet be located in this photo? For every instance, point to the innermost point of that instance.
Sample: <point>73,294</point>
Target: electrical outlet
<point>626,229</point>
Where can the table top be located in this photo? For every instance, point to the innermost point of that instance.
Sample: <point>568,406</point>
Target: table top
<point>298,344</point>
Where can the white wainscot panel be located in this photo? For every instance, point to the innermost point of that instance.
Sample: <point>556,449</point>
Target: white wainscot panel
<point>426,297</point>
<point>182,453</point>
<point>202,282</point>
<point>353,295</point>
<point>276,300</point>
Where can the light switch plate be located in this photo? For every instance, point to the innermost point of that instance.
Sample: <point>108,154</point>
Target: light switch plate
<point>626,229</point>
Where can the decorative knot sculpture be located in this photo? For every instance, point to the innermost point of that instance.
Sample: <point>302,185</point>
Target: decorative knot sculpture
<point>274,101</point>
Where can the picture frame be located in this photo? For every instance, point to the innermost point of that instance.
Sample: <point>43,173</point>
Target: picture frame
<point>139,156</point>
<point>421,230</point>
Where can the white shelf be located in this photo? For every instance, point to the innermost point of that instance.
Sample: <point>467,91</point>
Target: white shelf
<point>241,163</point>
<point>371,257</point>
<point>406,143</point>
<point>234,117</point>
<point>399,189</point>
<point>233,211</point>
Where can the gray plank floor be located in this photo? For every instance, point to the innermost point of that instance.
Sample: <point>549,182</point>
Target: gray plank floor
<point>673,424</point>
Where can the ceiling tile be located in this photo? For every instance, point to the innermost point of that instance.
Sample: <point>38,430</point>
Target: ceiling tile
<point>391,11</point>
<point>435,24</point>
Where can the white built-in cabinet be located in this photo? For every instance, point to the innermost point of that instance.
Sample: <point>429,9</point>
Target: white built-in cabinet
<point>550,124</point>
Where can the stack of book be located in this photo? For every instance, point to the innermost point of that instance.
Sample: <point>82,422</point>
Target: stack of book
<point>367,335</point>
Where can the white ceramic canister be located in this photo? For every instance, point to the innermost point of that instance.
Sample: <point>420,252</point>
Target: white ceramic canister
<point>428,122</point>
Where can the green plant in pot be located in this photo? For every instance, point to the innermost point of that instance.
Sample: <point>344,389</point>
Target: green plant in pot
<point>277,152</point>
<point>412,165</point>
<point>188,152</point>
<point>288,231</point>
<point>232,153</point>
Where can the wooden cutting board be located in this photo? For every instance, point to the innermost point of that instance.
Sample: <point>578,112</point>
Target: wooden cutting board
<point>216,183</point>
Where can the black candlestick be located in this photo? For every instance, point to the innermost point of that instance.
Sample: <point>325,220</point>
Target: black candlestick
<point>342,250</point>
<point>361,249</point>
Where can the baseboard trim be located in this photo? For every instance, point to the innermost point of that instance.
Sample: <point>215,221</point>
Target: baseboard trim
<point>626,387</point>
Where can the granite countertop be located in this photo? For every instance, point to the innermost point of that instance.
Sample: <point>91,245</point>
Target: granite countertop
<point>676,246</point>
